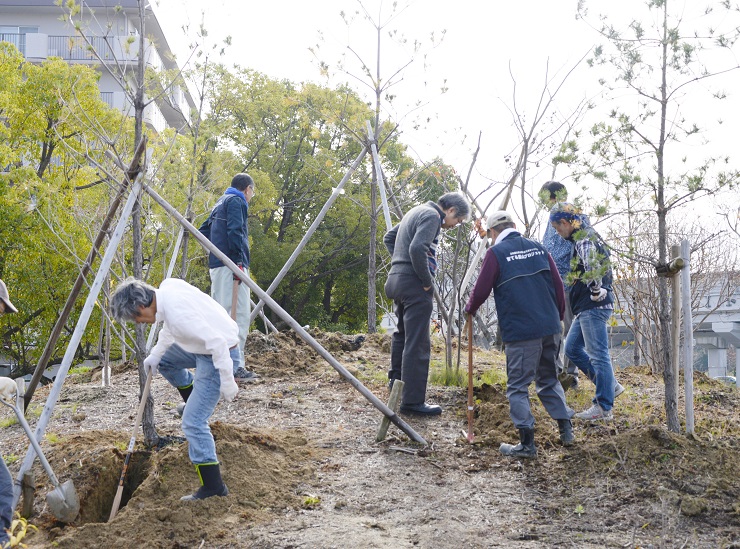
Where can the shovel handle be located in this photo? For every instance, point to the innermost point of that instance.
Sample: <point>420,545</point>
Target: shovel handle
<point>234,298</point>
<point>130,449</point>
<point>471,402</point>
<point>34,443</point>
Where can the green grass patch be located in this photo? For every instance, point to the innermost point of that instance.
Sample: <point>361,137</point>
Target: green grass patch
<point>80,370</point>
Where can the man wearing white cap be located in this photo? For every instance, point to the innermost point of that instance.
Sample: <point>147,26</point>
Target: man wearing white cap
<point>6,481</point>
<point>530,302</point>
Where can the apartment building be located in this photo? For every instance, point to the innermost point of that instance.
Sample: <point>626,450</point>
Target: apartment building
<point>38,31</point>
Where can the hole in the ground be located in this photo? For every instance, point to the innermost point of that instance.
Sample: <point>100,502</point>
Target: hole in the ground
<point>98,501</point>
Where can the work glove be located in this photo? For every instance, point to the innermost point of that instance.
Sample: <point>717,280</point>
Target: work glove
<point>8,388</point>
<point>229,388</point>
<point>151,364</point>
<point>235,276</point>
<point>598,295</point>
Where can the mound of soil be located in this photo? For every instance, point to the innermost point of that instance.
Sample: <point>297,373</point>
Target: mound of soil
<point>299,455</point>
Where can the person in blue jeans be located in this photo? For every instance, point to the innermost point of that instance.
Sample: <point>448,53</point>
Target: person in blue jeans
<point>199,334</point>
<point>592,302</point>
<point>6,481</point>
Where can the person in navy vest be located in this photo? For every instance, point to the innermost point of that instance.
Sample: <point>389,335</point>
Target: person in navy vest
<point>592,302</point>
<point>530,302</point>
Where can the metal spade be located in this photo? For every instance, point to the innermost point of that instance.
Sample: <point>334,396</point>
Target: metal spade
<point>62,500</point>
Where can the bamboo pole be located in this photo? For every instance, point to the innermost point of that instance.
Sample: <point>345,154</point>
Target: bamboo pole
<point>264,297</point>
<point>306,237</point>
<point>79,330</point>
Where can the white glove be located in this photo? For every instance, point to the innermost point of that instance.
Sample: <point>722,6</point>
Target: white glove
<point>151,364</point>
<point>229,388</point>
<point>8,389</point>
<point>600,295</point>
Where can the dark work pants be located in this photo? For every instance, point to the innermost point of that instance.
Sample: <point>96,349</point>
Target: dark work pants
<point>411,346</point>
<point>6,501</point>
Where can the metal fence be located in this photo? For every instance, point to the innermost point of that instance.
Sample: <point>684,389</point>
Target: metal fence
<point>76,48</point>
<point>19,40</point>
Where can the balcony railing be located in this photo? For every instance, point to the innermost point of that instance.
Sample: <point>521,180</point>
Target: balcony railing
<point>19,40</point>
<point>75,48</point>
<point>107,97</point>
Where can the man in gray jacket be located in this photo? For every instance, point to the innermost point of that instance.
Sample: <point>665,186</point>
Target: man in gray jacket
<point>413,248</point>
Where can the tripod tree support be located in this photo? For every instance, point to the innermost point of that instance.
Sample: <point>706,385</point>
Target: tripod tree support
<point>264,297</point>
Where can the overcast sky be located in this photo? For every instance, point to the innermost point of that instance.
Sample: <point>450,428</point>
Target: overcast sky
<point>485,43</point>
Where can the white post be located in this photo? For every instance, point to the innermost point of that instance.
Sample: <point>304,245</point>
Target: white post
<point>688,336</point>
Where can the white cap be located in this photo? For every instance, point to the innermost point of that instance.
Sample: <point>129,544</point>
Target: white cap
<point>498,217</point>
<point>6,298</point>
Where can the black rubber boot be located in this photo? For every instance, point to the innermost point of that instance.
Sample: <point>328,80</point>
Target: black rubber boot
<point>185,394</point>
<point>211,483</point>
<point>525,448</point>
<point>565,426</point>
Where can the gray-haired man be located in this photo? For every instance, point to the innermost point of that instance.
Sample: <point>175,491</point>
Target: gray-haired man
<point>197,333</point>
<point>413,248</point>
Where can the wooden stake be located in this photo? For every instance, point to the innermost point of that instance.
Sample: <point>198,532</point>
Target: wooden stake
<point>393,402</point>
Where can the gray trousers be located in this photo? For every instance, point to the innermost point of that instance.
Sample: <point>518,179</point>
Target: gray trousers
<point>564,364</point>
<point>222,288</point>
<point>411,347</point>
<point>534,360</point>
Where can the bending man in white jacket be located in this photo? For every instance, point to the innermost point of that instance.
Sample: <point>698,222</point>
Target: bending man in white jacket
<point>197,333</point>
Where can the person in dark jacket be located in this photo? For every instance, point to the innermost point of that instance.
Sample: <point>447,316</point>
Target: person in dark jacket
<point>6,481</point>
<point>227,229</point>
<point>412,245</point>
<point>591,299</point>
<point>530,302</point>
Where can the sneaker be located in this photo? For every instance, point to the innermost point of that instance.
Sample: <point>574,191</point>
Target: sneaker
<point>618,389</point>
<point>180,409</point>
<point>595,413</point>
<point>242,375</point>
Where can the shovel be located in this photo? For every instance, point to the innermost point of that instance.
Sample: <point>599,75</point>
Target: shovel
<point>62,500</point>
<point>471,401</point>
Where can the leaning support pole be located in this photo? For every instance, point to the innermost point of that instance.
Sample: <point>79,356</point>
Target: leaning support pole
<point>72,297</point>
<point>379,176</point>
<point>306,237</point>
<point>86,267</point>
<point>74,341</point>
<point>264,297</point>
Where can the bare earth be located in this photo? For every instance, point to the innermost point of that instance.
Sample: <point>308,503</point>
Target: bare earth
<point>299,456</point>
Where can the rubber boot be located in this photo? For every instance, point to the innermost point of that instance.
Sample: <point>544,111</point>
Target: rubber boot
<point>185,394</point>
<point>565,426</point>
<point>525,448</point>
<point>211,483</point>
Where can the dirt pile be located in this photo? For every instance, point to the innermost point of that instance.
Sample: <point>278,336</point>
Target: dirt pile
<point>299,456</point>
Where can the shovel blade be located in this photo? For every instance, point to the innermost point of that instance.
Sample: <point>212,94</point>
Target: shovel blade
<point>63,502</point>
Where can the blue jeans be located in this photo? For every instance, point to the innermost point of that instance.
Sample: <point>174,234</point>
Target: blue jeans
<point>587,346</point>
<point>6,501</point>
<point>174,367</point>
